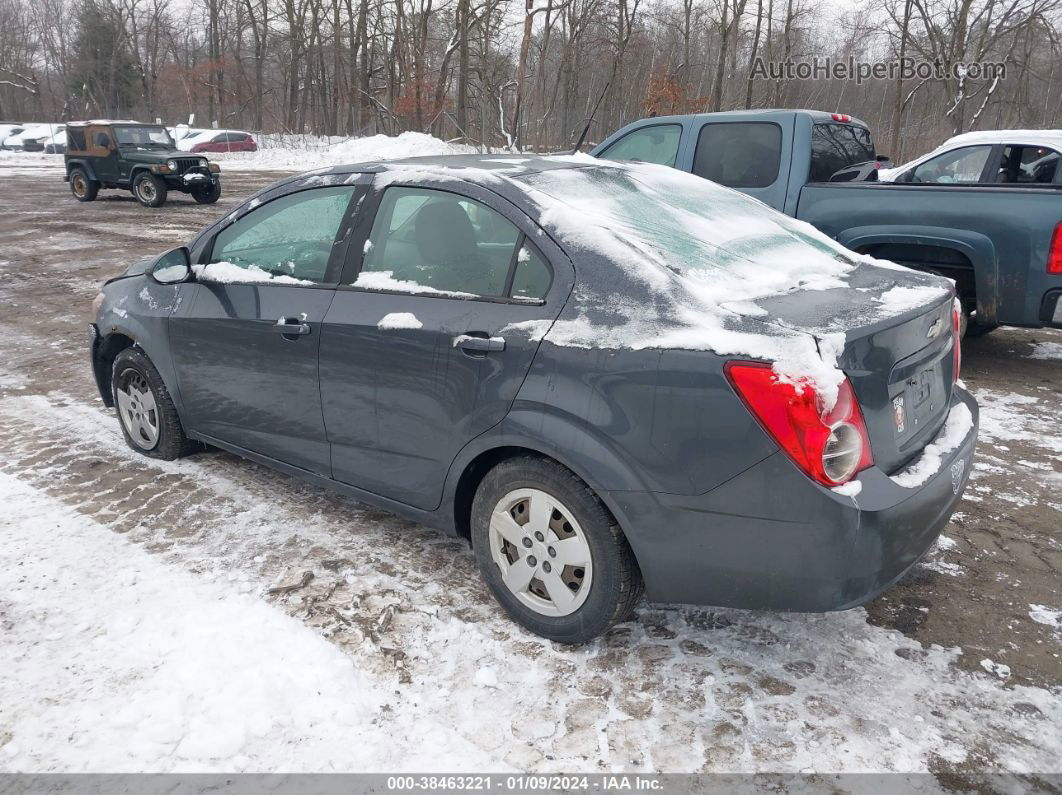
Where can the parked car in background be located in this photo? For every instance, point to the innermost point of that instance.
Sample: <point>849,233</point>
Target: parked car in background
<point>1001,242</point>
<point>141,158</point>
<point>601,374</point>
<point>36,140</point>
<point>56,145</point>
<point>32,134</point>
<point>186,136</point>
<point>988,157</point>
<point>225,141</point>
<point>15,141</point>
<point>8,128</point>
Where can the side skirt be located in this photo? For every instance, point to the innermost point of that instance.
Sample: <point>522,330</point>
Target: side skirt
<point>436,519</point>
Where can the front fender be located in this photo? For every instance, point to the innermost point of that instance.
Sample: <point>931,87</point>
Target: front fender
<point>976,247</point>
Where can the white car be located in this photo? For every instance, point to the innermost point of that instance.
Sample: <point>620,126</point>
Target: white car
<point>8,129</point>
<point>56,145</point>
<point>31,132</point>
<point>988,157</point>
<point>191,136</point>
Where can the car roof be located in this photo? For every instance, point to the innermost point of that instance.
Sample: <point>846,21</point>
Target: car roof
<point>816,115</point>
<point>108,121</point>
<point>1028,137</point>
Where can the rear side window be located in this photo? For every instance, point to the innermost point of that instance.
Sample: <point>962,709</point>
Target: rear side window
<point>963,165</point>
<point>1027,165</point>
<point>835,147</point>
<point>75,139</point>
<point>288,239</point>
<point>432,241</point>
<point>739,154</point>
<point>656,144</point>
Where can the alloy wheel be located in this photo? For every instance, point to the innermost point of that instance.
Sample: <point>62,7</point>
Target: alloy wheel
<point>541,552</point>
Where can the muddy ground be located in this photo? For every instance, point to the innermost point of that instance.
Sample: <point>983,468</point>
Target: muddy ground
<point>947,672</point>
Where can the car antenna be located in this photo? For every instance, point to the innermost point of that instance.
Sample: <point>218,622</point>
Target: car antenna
<point>586,129</point>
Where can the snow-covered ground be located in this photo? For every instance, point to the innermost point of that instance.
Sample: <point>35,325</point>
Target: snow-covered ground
<point>141,627</point>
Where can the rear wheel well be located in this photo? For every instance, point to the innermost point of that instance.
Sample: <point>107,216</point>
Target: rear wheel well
<point>473,475</point>
<point>109,348</point>
<point>940,260</point>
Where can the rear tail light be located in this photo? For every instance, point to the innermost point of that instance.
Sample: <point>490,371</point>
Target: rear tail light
<point>956,329</point>
<point>1054,257</point>
<point>828,446</point>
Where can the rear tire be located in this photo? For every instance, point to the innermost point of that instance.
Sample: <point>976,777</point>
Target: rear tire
<point>149,190</point>
<point>145,409</point>
<point>82,186</point>
<point>207,195</point>
<point>524,510</point>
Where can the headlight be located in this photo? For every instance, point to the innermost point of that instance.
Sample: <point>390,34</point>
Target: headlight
<point>202,163</point>
<point>172,164</point>
<point>97,302</point>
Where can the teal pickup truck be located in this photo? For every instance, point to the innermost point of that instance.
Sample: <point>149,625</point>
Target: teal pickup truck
<point>1001,243</point>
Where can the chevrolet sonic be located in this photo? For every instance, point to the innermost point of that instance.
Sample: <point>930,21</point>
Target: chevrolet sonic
<point>610,377</point>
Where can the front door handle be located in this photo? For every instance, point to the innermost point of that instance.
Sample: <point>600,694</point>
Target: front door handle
<point>470,342</point>
<point>291,326</point>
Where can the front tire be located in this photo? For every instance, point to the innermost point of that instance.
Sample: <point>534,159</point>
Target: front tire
<point>207,195</point>
<point>149,190</point>
<point>145,409</point>
<point>82,186</point>
<point>551,553</point>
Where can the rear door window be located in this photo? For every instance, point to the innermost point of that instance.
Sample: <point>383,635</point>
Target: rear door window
<point>959,166</point>
<point>739,154</point>
<point>835,147</point>
<point>1027,165</point>
<point>655,144</point>
<point>432,241</point>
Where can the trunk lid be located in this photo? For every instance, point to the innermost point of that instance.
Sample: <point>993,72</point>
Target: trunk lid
<point>898,352</point>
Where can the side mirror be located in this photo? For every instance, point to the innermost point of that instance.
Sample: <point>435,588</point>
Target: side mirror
<point>173,267</point>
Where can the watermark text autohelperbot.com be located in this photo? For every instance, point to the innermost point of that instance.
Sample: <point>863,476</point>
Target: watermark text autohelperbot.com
<point>850,68</point>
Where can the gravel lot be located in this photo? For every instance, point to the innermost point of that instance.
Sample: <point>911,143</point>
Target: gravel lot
<point>956,670</point>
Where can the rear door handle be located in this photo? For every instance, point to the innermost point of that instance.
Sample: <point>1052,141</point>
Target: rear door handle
<point>470,342</point>
<point>291,326</point>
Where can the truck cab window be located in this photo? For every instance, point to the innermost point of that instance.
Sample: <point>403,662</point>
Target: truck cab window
<point>739,154</point>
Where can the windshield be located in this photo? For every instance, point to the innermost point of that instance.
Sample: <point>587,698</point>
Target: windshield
<point>143,137</point>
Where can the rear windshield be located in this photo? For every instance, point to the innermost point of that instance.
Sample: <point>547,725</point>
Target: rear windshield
<point>145,137</point>
<point>648,214</point>
<point>835,147</point>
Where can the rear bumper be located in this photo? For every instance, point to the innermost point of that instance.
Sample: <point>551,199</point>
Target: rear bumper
<point>771,538</point>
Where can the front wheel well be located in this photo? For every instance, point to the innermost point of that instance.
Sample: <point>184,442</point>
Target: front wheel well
<point>103,362</point>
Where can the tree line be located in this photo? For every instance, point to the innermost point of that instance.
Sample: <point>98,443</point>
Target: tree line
<point>527,74</point>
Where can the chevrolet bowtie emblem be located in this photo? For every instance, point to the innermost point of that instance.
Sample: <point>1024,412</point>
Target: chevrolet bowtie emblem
<point>934,330</point>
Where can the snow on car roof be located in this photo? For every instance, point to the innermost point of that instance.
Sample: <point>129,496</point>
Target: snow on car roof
<point>1031,137</point>
<point>109,121</point>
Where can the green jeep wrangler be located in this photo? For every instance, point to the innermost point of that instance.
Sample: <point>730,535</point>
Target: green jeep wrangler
<point>139,157</point>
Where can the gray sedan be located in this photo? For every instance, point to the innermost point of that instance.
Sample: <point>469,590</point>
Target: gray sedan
<point>611,378</point>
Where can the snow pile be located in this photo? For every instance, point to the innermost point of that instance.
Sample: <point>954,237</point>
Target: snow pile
<point>231,273</point>
<point>398,320</point>
<point>301,156</point>
<point>1042,614</point>
<point>954,433</point>
<point>1047,350</point>
<point>117,662</point>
